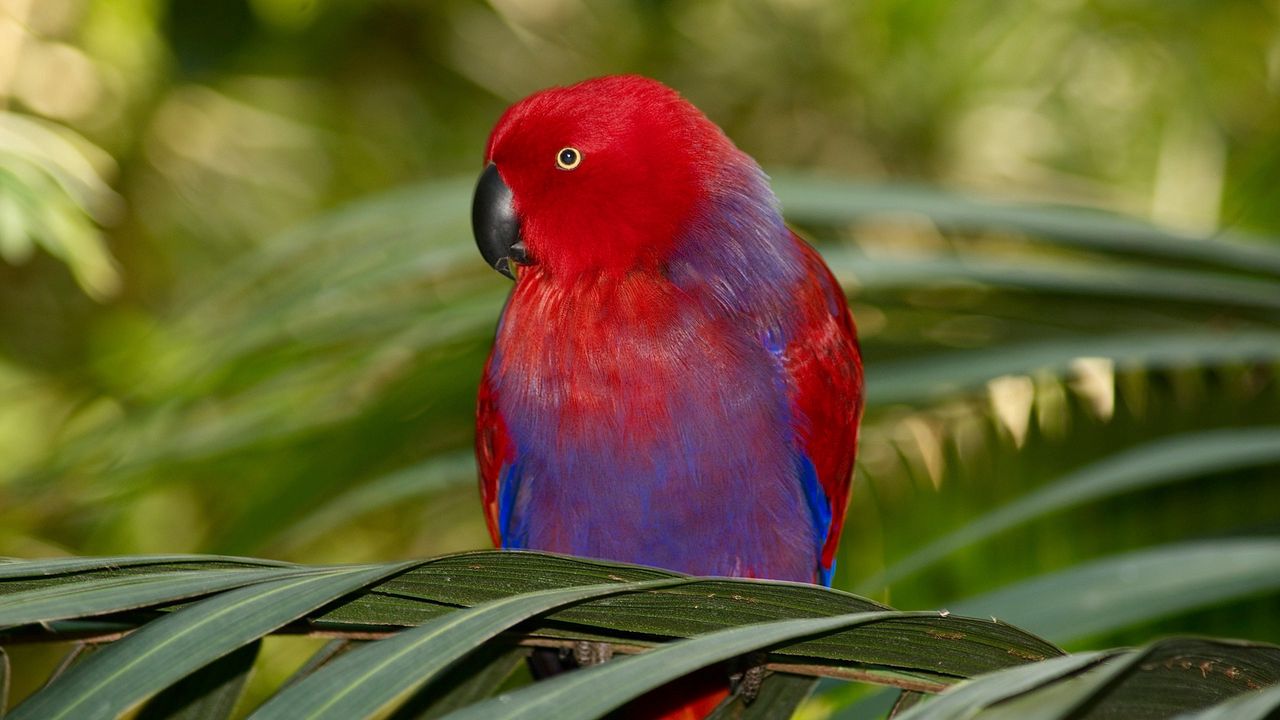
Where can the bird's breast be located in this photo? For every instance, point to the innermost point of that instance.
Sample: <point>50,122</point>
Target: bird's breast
<point>633,360</point>
<point>649,428</point>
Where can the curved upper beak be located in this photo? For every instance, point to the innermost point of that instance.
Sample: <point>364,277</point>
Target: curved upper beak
<point>496,225</point>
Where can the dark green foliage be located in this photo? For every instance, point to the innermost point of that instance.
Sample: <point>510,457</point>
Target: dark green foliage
<point>477,608</point>
<point>779,695</point>
<point>209,693</point>
<point>473,679</point>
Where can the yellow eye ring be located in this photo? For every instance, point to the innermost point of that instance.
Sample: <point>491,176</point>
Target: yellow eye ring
<point>568,158</point>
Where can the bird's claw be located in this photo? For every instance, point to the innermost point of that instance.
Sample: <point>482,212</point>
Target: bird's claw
<point>587,653</point>
<point>746,683</point>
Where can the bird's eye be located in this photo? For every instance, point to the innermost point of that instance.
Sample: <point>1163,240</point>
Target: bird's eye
<point>568,158</point>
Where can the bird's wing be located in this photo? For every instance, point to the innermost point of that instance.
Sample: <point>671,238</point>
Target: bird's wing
<point>495,456</point>
<point>824,369</point>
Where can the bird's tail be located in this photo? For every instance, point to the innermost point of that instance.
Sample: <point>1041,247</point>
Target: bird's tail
<point>692,697</point>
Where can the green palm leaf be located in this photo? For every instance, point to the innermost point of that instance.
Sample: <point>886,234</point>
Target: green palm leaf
<point>1123,590</point>
<point>164,651</point>
<point>592,692</point>
<point>1167,460</point>
<point>363,682</point>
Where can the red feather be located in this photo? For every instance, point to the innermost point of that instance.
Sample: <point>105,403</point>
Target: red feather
<point>494,450</point>
<point>825,368</point>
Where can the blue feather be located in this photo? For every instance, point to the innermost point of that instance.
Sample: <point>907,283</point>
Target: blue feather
<point>508,489</point>
<point>819,509</point>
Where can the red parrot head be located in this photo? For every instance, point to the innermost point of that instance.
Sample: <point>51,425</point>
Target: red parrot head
<point>596,177</point>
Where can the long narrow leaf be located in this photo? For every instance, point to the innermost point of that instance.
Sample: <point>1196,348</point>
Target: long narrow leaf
<point>592,692</point>
<point>167,649</point>
<point>1164,461</point>
<point>1083,279</point>
<point>1255,705</point>
<point>469,681</point>
<point>828,201</point>
<point>907,699</point>
<point>77,653</point>
<point>67,566</point>
<point>1189,673</point>
<point>366,680</point>
<point>126,592</point>
<point>64,630</point>
<point>966,698</point>
<point>427,206</point>
<point>1151,683</point>
<point>428,477</point>
<point>935,376</point>
<point>1137,587</point>
<point>210,693</point>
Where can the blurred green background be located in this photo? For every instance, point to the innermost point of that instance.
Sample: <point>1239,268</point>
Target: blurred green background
<point>241,311</point>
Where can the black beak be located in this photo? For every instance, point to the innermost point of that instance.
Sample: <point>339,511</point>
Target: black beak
<point>495,223</point>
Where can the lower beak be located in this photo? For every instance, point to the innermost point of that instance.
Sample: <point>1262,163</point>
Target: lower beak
<point>496,224</point>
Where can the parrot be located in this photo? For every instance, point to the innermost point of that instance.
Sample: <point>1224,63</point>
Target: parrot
<point>675,379</point>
